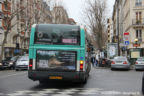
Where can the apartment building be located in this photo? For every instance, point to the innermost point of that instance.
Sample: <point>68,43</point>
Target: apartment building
<point>114,20</point>
<point>17,16</point>
<point>130,19</point>
<point>110,30</point>
<point>60,15</point>
<point>1,27</point>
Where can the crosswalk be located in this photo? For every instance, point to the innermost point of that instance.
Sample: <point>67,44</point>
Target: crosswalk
<point>71,92</point>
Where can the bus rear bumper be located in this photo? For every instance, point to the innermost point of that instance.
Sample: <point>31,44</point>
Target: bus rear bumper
<point>66,76</point>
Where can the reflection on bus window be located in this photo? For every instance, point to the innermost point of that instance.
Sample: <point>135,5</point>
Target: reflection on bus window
<point>49,34</point>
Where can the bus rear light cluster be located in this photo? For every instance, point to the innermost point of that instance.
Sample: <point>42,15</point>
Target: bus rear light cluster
<point>30,64</point>
<point>81,65</point>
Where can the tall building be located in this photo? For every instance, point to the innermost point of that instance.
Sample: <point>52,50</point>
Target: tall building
<point>114,19</point>
<point>1,27</point>
<point>60,15</point>
<point>17,16</point>
<point>110,30</point>
<point>130,17</point>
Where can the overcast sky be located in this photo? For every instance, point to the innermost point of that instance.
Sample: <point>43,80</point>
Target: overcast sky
<point>75,7</point>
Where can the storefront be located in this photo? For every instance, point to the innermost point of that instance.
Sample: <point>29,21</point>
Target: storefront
<point>135,53</point>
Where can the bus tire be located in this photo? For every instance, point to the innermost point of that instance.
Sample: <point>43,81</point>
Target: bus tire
<point>42,82</point>
<point>84,81</point>
<point>143,85</point>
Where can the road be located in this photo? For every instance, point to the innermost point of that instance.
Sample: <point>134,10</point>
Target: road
<point>102,82</point>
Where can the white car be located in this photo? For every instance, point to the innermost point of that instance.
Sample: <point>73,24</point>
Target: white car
<point>22,63</point>
<point>120,62</point>
<point>139,65</point>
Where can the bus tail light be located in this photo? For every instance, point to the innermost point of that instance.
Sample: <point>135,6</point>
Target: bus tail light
<point>30,64</point>
<point>81,65</point>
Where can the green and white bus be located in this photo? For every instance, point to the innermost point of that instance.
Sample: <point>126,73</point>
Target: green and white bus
<point>58,52</point>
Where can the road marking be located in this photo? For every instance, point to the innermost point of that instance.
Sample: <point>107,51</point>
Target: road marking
<point>71,92</point>
<point>66,92</point>
<point>12,75</point>
<point>90,91</point>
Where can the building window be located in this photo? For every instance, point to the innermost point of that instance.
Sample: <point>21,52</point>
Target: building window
<point>138,2</point>
<point>139,34</point>
<point>138,17</point>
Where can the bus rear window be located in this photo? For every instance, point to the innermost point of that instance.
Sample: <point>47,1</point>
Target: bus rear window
<point>57,34</point>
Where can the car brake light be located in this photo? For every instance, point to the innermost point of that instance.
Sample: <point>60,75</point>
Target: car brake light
<point>30,64</point>
<point>113,62</point>
<point>136,62</point>
<point>81,65</point>
<point>125,62</point>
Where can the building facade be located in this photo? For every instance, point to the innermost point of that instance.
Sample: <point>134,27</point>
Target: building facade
<point>110,30</point>
<point>130,19</point>
<point>17,17</point>
<point>60,15</point>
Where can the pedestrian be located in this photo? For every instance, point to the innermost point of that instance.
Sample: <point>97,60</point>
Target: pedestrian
<point>93,60</point>
<point>96,62</point>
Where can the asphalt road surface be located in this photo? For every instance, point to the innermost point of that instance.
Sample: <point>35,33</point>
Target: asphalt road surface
<point>101,82</point>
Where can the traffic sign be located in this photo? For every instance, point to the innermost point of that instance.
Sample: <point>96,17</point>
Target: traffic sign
<point>126,33</point>
<point>127,43</point>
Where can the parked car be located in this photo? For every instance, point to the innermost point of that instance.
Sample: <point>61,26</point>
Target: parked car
<point>1,67</point>
<point>5,62</point>
<point>120,62</point>
<point>9,62</point>
<point>22,63</point>
<point>139,65</point>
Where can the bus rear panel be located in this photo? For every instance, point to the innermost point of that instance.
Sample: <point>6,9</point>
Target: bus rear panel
<point>57,52</point>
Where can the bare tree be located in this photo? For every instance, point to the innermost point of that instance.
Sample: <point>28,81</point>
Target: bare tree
<point>9,16</point>
<point>95,12</point>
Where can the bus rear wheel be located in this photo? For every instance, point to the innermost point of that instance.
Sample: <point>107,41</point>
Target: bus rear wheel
<point>42,82</point>
<point>84,81</point>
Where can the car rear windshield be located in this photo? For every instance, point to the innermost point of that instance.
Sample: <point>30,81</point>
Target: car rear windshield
<point>140,59</point>
<point>14,58</point>
<point>23,58</point>
<point>57,34</point>
<point>120,58</point>
<point>8,58</point>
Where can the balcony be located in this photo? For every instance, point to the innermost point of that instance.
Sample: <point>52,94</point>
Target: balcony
<point>1,15</point>
<point>138,23</point>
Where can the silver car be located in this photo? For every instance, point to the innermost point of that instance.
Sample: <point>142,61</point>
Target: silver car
<point>120,62</point>
<point>22,63</point>
<point>139,65</point>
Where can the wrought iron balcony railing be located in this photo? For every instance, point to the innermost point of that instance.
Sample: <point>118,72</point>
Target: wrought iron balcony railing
<point>138,22</point>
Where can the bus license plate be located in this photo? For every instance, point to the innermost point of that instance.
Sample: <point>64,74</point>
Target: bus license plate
<point>55,77</point>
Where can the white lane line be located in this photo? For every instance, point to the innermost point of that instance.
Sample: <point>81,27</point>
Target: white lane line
<point>1,77</point>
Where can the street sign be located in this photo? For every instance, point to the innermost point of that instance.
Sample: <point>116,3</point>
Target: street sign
<point>127,43</point>
<point>126,36</point>
<point>126,33</point>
